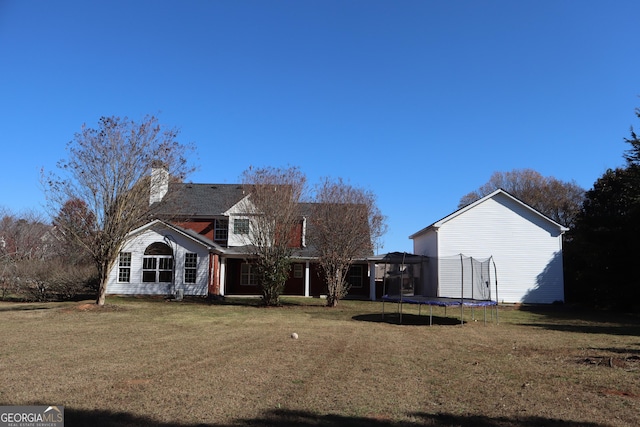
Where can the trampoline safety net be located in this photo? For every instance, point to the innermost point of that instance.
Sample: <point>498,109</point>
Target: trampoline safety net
<point>466,277</point>
<point>456,276</point>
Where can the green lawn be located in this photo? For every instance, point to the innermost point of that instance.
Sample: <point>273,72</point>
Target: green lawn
<point>150,362</point>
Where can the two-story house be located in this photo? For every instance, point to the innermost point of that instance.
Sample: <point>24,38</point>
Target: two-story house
<point>197,245</point>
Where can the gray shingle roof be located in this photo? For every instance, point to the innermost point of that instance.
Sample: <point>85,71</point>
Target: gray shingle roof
<point>198,200</point>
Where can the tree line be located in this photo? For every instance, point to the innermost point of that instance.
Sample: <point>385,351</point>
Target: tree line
<point>601,248</point>
<point>38,264</point>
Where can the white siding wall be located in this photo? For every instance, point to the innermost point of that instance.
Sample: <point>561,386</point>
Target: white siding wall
<point>526,248</point>
<point>427,244</point>
<point>180,246</point>
<point>238,239</point>
<point>240,211</point>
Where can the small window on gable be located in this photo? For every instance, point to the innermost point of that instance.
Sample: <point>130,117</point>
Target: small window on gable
<point>241,226</point>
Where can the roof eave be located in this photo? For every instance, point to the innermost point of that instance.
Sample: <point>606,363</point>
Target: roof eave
<point>433,226</point>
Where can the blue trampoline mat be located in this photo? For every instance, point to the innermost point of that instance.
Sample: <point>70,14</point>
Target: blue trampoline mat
<point>439,301</point>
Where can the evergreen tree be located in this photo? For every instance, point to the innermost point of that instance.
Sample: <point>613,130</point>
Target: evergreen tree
<point>601,251</point>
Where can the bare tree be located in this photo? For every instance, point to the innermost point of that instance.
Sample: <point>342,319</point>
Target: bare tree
<point>273,205</point>
<point>561,201</point>
<point>24,236</point>
<point>27,247</point>
<point>76,230</point>
<point>345,224</point>
<point>108,168</point>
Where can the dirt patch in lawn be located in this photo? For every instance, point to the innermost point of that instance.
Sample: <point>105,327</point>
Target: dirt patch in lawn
<point>93,307</point>
<point>630,363</point>
<point>612,392</point>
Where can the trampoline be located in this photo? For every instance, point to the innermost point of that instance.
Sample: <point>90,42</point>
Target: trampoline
<point>407,281</point>
<point>438,301</point>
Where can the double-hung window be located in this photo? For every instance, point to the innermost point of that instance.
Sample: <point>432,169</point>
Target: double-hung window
<point>190,267</point>
<point>158,269</point>
<point>124,267</point>
<point>221,230</point>
<point>241,226</point>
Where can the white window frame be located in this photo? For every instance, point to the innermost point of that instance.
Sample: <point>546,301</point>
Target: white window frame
<point>190,267</point>
<point>241,226</point>
<point>124,267</point>
<point>221,226</point>
<point>159,267</point>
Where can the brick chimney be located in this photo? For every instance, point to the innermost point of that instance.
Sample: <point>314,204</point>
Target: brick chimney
<point>159,183</point>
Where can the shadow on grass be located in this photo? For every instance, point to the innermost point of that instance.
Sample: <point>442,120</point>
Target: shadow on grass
<point>256,301</point>
<point>584,321</point>
<point>27,307</point>
<point>623,330</point>
<point>287,418</point>
<point>407,319</point>
<point>618,350</point>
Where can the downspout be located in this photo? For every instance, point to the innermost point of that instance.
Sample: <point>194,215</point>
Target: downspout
<point>304,232</point>
<point>495,273</point>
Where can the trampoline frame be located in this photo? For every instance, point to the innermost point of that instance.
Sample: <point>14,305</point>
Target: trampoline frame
<point>462,302</point>
<point>440,302</point>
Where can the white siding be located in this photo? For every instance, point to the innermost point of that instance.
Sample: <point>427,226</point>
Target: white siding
<point>427,244</point>
<point>526,248</point>
<point>240,210</point>
<point>238,239</point>
<point>180,245</point>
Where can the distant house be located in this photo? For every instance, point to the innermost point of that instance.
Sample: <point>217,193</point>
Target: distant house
<point>197,245</point>
<point>526,247</point>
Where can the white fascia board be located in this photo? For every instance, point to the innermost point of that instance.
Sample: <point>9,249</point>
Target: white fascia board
<point>171,227</point>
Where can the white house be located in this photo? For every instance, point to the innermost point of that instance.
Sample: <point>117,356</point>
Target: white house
<point>526,247</point>
<point>163,259</point>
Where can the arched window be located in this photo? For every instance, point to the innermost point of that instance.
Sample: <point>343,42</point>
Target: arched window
<point>158,248</point>
<point>157,264</point>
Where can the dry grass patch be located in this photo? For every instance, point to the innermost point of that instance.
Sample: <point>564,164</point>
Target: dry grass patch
<point>151,362</point>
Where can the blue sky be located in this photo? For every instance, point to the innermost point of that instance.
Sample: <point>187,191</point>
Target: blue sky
<point>417,101</point>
